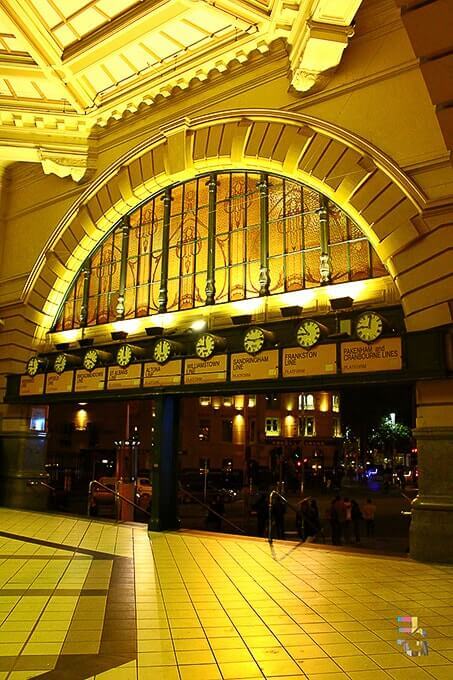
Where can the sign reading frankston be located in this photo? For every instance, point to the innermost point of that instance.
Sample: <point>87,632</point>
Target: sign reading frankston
<point>59,382</point>
<point>90,381</point>
<point>159,375</point>
<point>124,378</point>
<point>319,360</point>
<point>381,355</point>
<point>197,371</point>
<point>29,385</point>
<point>263,366</point>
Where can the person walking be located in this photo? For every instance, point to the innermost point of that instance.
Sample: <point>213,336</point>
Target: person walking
<point>278,514</point>
<point>347,510</point>
<point>262,513</point>
<point>369,513</point>
<point>356,517</point>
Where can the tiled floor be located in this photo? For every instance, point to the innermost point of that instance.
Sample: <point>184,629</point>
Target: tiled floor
<point>84,599</point>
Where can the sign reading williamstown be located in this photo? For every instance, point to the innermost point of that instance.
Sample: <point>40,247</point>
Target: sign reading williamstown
<point>197,371</point>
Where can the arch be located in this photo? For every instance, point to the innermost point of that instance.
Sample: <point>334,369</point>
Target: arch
<point>366,184</point>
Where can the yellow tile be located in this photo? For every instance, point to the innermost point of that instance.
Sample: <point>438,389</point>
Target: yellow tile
<point>236,654</point>
<point>270,653</point>
<point>156,645</point>
<point>206,672</point>
<point>246,669</point>
<point>191,644</point>
<point>156,659</point>
<point>159,673</point>
<point>356,663</point>
<point>42,648</point>
<point>280,667</point>
<point>318,666</point>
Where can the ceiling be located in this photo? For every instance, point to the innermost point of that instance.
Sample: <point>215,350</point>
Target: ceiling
<point>69,65</point>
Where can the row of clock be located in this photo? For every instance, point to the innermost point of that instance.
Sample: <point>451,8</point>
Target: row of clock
<point>369,327</point>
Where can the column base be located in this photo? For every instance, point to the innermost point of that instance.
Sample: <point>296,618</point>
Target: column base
<point>431,532</point>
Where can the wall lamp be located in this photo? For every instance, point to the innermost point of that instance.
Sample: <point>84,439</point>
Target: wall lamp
<point>241,319</point>
<point>154,331</point>
<point>293,310</point>
<point>341,303</point>
<point>119,335</point>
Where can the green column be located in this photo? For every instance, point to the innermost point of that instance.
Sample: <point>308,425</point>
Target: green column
<point>22,459</point>
<point>164,469</point>
<point>210,279</point>
<point>163,297</point>
<point>125,227</point>
<point>86,271</point>
<point>325,264</point>
<point>264,279</point>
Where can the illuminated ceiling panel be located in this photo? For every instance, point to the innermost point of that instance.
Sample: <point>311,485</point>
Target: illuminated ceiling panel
<point>90,61</point>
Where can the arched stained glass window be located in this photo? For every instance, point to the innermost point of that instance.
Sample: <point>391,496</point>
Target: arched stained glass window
<point>214,239</point>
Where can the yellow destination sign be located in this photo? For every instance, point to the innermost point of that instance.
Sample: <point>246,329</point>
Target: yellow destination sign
<point>124,378</point>
<point>319,360</point>
<point>59,382</point>
<point>159,375</point>
<point>86,381</point>
<point>31,386</point>
<point>198,372</point>
<point>382,355</point>
<point>263,366</point>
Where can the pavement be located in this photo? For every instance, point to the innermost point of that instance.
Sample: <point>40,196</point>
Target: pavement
<point>85,598</point>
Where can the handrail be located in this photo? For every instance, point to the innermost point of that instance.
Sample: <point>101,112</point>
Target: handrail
<point>38,482</point>
<point>114,493</point>
<point>235,526</point>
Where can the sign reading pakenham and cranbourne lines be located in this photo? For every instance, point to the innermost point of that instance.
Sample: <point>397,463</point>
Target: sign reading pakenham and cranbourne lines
<point>381,355</point>
<point>319,360</point>
<point>263,366</point>
<point>198,371</point>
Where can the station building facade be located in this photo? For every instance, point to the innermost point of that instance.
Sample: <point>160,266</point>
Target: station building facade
<point>244,236</point>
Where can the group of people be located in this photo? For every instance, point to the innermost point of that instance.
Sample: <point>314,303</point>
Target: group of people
<point>345,517</point>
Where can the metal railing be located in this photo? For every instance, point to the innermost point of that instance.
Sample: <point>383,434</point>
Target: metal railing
<point>39,482</point>
<point>273,493</point>
<point>115,494</point>
<point>209,509</point>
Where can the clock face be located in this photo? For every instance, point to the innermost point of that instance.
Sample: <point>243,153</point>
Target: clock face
<point>205,346</point>
<point>124,355</point>
<point>90,359</point>
<point>32,366</point>
<point>60,363</point>
<point>369,326</point>
<point>254,340</point>
<point>162,350</point>
<point>308,333</point>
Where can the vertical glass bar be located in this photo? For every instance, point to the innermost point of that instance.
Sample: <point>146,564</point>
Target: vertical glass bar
<point>210,280</point>
<point>86,271</point>
<point>264,245</point>
<point>163,295</point>
<point>325,268</point>
<point>125,226</point>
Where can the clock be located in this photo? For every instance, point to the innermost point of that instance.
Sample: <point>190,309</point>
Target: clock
<point>162,350</point>
<point>308,333</point>
<point>205,346</point>
<point>90,359</point>
<point>254,340</point>
<point>369,326</point>
<point>124,355</point>
<point>60,362</point>
<point>32,366</point>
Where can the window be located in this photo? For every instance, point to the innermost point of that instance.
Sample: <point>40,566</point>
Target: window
<point>337,427</point>
<point>336,403</point>
<point>307,427</point>
<point>177,240</point>
<point>38,420</point>
<point>205,401</point>
<point>272,427</point>
<point>204,430</point>
<point>227,430</point>
<point>306,402</point>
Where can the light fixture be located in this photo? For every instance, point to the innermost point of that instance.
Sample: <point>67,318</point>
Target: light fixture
<point>154,331</point>
<point>241,319</point>
<point>227,401</point>
<point>119,335</point>
<point>341,303</point>
<point>205,401</point>
<point>292,310</point>
<point>82,403</point>
<point>86,342</point>
<point>198,325</point>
